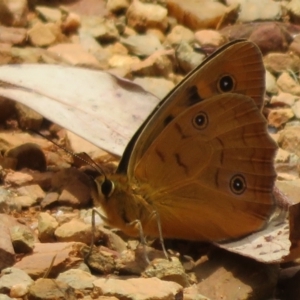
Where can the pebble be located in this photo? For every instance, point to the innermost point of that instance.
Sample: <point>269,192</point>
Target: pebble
<point>122,61</point>
<point>187,58</point>
<point>157,64</point>
<point>28,155</point>
<point>253,10</point>
<point>80,145</point>
<point>189,13</point>
<point>49,14</point>
<point>210,37</point>
<point>142,45</point>
<point>23,239</point>
<point>157,32</point>
<point>19,290</point>
<point>141,16</point>
<point>169,270</point>
<point>8,140</point>
<point>27,54</point>
<point>33,192</point>
<point>7,200</point>
<point>289,139</point>
<point>11,277</point>
<point>7,253</point>
<point>281,62</point>
<point>78,279</point>
<point>271,37</point>
<point>294,46</point>
<point>296,108</point>
<point>13,36</point>
<point>102,261</point>
<point>101,29</point>
<point>5,297</point>
<point>14,13</point>
<point>44,288</point>
<point>71,23</point>
<point>75,230</point>
<point>139,288</point>
<point>180,34</point>
<point>271,86</point>
<point>279,116</point>
<point>160,87</point>
<point>18,178</point>
<point>290,187</point>
<point>293,8</point>
<point>75,55</point>
<point>282,156</point>
<point>61,256</point>
<point>74,187</point>
<point>286,99</point>
<point>47,225</point>
<point>28,118</point>
<point>117,6</point>
<point>287,83</point>
<point>41,35</point>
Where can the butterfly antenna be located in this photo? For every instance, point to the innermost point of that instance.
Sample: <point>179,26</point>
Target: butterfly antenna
<point>94,165</point>
<point>89,162</point>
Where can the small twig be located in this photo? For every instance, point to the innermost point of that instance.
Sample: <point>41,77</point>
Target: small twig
<point>50,267</point>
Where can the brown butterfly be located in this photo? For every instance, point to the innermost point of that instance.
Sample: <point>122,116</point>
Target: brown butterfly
<point>203,160</point>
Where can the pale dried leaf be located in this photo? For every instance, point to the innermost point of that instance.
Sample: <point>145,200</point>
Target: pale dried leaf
<point>104,109</point>
<point>270,245</point>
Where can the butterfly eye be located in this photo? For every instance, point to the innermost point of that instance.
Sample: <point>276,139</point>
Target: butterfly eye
<point>238,184</point>
<point>200,121</point>
<point>107,188</point>
<point>226,84</point>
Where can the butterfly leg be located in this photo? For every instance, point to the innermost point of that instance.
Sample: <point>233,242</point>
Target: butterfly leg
<point>94,211</point>
<point>161,239</point>
<point>142,237</point>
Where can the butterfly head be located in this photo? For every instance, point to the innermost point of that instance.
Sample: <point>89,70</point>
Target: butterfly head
<point>116,200</point>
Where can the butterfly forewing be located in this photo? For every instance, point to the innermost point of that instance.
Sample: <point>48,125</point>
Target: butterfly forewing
<point>213,162</point>
<point>237,67</point>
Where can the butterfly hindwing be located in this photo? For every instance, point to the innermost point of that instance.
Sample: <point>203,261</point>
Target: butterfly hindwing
<point>215,159</point>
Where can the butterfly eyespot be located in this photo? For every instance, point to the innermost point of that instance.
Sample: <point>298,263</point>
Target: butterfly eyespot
<point>200,121</point>
<point>238,184</point>
<point>107,187</point>
<point>226,84</point>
